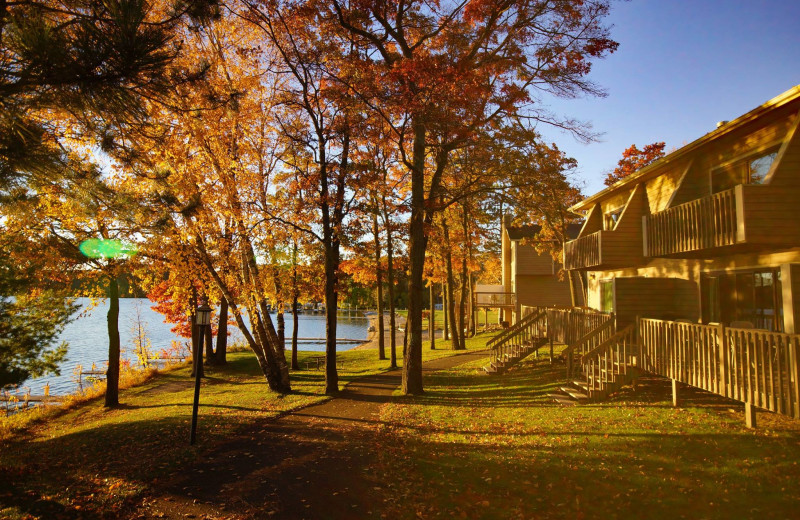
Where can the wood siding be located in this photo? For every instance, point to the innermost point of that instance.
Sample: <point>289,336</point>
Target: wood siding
<point>612,248</point>
<point>661,298</point>
<point>527,261</point>
<point>542,291</point>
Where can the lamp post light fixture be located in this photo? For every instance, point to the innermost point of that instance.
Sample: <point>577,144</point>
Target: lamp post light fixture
<point>202,320</point>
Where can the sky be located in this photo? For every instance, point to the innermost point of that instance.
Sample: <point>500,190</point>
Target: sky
<point>681,66</point>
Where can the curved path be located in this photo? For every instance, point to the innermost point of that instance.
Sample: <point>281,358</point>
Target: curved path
<point>310,463</point>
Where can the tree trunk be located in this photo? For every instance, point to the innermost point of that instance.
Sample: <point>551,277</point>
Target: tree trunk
<point>221,355</point>
<point>331,247</point>
<point>462,309</point>
<point>209,339</point>
<point>375,229</point>
<point>462,304</point>
<point>390,281</point>
<point>112,375</point>
<point>197,344</point>
<point>455,344</point>
<point>432,320</point>
<point>417,244</point>
<point>295,294</point>
<point>281,327</point>
<point>445,311</point>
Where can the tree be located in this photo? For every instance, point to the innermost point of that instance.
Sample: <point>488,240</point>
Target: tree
<point>451,68</point>
<point>212,183</point>
<point>71,62</point>
<point>319,130</point>
<point>634,160</point>
<point>31,320</point>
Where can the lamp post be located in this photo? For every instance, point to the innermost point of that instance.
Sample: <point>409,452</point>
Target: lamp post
<point>202,319</point>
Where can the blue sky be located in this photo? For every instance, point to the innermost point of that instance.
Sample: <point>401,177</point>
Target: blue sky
<point>681,66</point>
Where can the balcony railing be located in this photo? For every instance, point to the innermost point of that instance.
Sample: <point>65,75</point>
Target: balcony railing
<point>699,224</point>
<point>495,299</point>
<point>748,216</point>
<point>754,366</point>
<point>583,252</point>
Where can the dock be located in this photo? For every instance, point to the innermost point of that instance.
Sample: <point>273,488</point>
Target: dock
<point>322,340</point>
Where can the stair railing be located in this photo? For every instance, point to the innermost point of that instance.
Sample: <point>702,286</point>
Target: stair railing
<point>605,363</point>
<point>587,343</point>
<point>528,328</point>
<point>511,331</point>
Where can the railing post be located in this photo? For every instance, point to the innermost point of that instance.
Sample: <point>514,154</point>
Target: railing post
<point>675,391</point>
<point>723,362</point>
<point>749,415</point>
<point>794,377</point>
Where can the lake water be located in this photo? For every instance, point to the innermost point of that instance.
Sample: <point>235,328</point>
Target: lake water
<point>88,337</point>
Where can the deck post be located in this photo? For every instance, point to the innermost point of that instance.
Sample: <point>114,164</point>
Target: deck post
<point>675,392</point>
<point>722,382</point>
<point>750,415</point>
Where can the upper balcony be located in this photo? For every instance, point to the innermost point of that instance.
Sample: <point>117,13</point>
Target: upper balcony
<point>606,249</point>
<point>620,245</point>
<point>747,217</point>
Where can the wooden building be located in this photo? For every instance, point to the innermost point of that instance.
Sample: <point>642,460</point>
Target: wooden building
<point>692,270</point>
<point>530,276</point>
<point>708,234</point>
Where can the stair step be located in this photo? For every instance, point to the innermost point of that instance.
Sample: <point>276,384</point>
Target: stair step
<point>581,385</point>
<point>574,393</point>
<point>562,399</point>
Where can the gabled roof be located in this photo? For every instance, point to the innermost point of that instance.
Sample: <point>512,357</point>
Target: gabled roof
<point>651,170</point>
<point>531,231</point>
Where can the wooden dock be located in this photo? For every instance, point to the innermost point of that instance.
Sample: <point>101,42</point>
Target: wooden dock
<point>322,340</point>
<point>23,398</point>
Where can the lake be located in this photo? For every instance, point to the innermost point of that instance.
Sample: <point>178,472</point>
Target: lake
<point>88,337</point>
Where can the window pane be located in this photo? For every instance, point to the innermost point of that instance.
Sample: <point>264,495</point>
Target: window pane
<point>760,167</point>
<point>607,296</point>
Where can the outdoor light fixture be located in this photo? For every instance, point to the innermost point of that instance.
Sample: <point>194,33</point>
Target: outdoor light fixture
<point>202,320</point>
<point>203,315</point>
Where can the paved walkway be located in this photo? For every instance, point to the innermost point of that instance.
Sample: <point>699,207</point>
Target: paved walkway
<point>307,464</point>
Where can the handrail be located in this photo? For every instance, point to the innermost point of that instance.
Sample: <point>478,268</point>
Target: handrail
<point>510,331</point>
<point>749,365</point>
<point>566,325</point>
<point>612,358</point>
<point>609,342</point>
<point>601,334</point>
<point>531,327</point>
<point>588,337</point>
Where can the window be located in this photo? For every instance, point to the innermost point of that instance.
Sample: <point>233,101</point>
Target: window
<point>607,296</point>
<point>611,218</point>
<point>752,170</point>
<point>755,296</point>
<point>759,167</point>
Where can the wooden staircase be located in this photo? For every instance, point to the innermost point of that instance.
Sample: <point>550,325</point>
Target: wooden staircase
<point>603,370</point>
<point>514,344</point>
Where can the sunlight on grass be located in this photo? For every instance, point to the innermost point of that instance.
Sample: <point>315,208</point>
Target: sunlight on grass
<point>86,456</point>
<point>497,447</point>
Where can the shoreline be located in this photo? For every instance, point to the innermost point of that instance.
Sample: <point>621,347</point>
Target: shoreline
<point>371,342</point>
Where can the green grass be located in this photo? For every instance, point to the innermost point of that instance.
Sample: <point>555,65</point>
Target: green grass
<point>478,446</point>
<point>439,319</point>
<point>87,457</point>
<point>474,446</point>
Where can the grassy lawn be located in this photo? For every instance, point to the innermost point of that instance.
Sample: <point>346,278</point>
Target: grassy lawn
<point>439,318</point>
<point>91,458</point>
<point>477,446</point>
<point>474,446</point>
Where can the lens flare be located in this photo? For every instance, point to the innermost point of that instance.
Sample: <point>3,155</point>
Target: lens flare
<point>102,248</point>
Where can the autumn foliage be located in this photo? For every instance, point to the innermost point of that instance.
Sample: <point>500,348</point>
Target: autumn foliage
<point>634,159</point>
